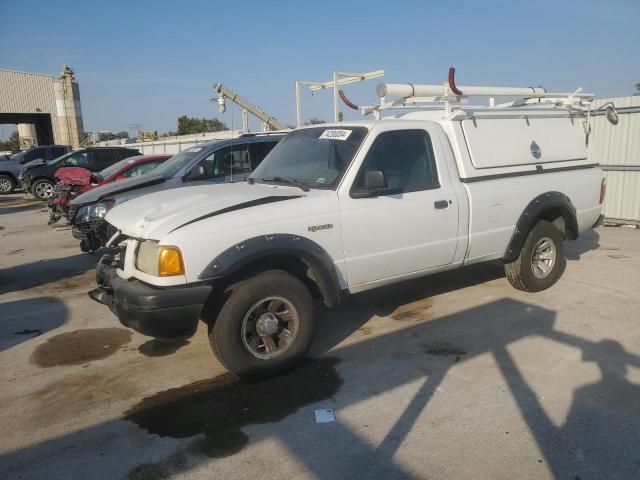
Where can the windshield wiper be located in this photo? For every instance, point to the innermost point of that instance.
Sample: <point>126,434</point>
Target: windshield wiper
<point>289,181</point>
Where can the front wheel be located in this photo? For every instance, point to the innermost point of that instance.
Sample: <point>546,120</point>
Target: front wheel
<point>541,261</point>
<point>7,184</point>
<point>42,189</point>
<point>265,326</point>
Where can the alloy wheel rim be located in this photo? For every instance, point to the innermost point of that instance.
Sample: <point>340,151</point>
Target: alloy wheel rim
<point>543,258</point>
<point>5,185</point>
<point>270,327</point>
<point>44,190</point>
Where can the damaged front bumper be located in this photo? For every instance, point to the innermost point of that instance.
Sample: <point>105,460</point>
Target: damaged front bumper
<point>171,312</point>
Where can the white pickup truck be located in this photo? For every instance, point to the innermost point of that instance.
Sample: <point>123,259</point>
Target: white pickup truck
<point>341,208</point>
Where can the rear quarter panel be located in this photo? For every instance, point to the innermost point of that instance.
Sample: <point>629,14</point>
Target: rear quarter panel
<point>496,206</point>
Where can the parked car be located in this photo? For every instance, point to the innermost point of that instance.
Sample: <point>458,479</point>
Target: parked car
<point>38,176</point>
<point>10,166</point>
<point>216,162</point>
<point>343,208</point>
<point>74,181</point>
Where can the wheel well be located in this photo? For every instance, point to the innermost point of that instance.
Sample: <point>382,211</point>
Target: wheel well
<point>42,178</point>
<point>9,174</point>
<point>555,207</point>
<point>560,219</point>
<point>289,263</point>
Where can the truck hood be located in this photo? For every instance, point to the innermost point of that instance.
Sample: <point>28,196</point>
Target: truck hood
<point>157,214</point>
<point>112,188</point>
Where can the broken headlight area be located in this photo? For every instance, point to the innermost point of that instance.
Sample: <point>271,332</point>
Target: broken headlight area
<point>94,212</point>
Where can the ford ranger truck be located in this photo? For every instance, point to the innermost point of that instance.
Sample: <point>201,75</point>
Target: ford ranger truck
<point>342,208</point>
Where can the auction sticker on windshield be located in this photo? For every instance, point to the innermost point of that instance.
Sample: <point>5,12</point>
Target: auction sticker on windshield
<point>336,134</point>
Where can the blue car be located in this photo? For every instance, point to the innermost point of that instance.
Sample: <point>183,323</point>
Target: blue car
<point>216,162</point>
<point>11,166</point>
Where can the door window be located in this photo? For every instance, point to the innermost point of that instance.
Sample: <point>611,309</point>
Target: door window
<point>406,158</point>
<point>56,152</point>
<point>227,161</point>
<point>77,160</point>
<point>258,151</point>
<point>102,159</point>
<point>34,155</point>
<point>141,169</point>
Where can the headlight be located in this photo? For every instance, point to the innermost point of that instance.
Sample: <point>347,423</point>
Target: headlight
<point>159,260</point>
<point>92,212</point>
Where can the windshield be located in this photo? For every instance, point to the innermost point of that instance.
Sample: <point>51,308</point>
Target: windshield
<point>107,172</point>
<point>315,157</point>
<point>175,163</point>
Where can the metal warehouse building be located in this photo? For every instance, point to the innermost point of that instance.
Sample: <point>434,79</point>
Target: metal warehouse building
<point>617,148</point>
<point>50,105</point>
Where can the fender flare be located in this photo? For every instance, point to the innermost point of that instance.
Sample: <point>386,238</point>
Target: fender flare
<point>264,246</point>
<point>533,212</point>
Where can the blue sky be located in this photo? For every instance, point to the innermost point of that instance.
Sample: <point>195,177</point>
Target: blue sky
<point>149,62</point>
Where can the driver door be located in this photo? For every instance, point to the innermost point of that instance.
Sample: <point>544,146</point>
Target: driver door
<point>408,226</point>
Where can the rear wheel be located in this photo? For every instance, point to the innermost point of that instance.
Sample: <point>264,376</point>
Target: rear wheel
<point>541,261</point>
<point>42,189</point>
<point>265,326</point>
<point>7,184</point>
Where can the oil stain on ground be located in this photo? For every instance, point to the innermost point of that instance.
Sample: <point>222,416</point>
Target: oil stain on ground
<point>80,346</point>
<point>220,407</point>
<point>443,349</point>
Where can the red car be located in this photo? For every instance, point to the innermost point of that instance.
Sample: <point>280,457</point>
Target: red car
<point>73,181</point>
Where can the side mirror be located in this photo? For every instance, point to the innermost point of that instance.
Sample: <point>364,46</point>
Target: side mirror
<point>198,172</point>
<point>374,180</point>
<point>612,114</point>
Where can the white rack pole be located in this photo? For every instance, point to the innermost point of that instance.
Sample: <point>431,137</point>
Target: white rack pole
<point>336,116</point>
<point>404,90</point>
<point>298,106</point>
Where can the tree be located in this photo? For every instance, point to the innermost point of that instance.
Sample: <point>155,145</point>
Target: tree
<point>315,121</point>
<point>122,134</point>
<point>637,89</point>
<point>189,125</point>
<point>104,136</point>
<point>12,143</point>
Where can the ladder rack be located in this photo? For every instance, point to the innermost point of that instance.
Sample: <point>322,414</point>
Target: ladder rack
<point>448,97</point>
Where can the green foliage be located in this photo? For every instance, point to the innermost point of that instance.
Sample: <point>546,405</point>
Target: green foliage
<point>104,136</point>
<point>12,143</point>
<point>315,121</point>
<point>189,125</point>
<point>122,134</point>
<point>637,89</point>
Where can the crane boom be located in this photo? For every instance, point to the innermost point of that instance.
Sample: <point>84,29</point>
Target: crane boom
<point>224,92</point>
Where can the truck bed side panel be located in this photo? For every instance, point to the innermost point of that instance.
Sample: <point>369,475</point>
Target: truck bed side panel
<point>496,206</point>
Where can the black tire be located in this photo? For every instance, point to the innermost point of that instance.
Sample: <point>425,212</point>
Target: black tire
<point>523,274</point>
<point>40,185</point>
<point>226,333</point>
<point>7,184</point>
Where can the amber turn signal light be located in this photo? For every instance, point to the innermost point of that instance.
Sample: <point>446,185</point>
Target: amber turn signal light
<point>170,261</point>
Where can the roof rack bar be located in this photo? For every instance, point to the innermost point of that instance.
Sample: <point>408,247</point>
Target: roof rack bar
<point>404,90</point>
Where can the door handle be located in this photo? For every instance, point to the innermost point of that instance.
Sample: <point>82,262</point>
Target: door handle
<point>440,204</point>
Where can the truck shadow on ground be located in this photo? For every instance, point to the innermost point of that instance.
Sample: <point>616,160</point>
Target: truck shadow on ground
<point>41,272</point>
<point>599,438</point>
<point>24,320</point>
<point>586,242</point>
